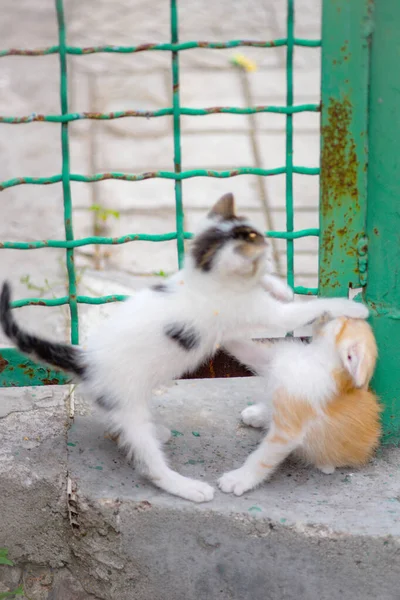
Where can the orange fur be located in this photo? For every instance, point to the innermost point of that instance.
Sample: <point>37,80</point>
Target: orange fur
<point>348,435</point>
<point>291,414</point>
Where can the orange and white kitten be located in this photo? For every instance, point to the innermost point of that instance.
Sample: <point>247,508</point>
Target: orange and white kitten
<point>317,403</point>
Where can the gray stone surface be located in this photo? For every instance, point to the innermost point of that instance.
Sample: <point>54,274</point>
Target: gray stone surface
<point>33,470</point>
<point>80,522</point>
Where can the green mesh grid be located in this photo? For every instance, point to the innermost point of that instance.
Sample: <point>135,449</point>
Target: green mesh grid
<point>72,299</point>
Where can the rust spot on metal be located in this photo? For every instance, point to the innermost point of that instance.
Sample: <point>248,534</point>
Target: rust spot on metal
<point>376,232</point>
<point>3,363</point>
<point>339,162</point>
<point>339,170</point>
<point>53,381</point>
<point>176,88</point>
<point>143,47</point>
<point>27,370</point>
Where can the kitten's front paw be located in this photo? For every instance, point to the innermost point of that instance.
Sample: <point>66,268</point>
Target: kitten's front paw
<point>189,489</point>
<point>255,416</point>
<point>349,308</point>
<point>237,482</point>
<point>277,288</point>
<point>197,491</point>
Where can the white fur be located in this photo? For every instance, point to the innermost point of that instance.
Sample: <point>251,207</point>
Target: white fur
<point>302,371</point>
<point>131,355</point>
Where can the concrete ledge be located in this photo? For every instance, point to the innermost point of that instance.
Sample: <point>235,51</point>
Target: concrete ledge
<point>303,536</point>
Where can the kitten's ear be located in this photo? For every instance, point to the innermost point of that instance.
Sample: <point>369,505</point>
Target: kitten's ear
<point>355,360</point>
<point>224,208</point>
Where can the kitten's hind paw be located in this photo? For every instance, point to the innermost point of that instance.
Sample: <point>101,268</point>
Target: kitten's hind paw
<point>163,433</point>
<point>255,416</point>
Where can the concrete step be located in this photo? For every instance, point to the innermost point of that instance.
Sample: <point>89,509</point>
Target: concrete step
<point>302,536</point>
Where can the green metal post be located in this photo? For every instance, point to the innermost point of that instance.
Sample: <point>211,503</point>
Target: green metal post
<point>66,185</point>
<point>289,142</point>
<point>177,135</point>
<point>383,221</point>
<point>346,30</point>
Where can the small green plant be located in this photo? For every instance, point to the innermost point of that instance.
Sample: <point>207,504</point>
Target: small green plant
<point>160,273</point>
<point>4,560</point>
<point>18,592</point>
<point>26,280</point>
<point>103,213</point>
<point>101,216</point>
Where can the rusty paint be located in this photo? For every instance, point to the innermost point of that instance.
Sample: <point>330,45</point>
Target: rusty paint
<point>339,162</point>
<point>3,363</point>
<point>50,381</point>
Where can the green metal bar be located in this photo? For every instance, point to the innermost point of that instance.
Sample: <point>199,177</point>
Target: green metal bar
<point>156,174</point>
<point>293,235</point>
<point>345,69</point>
<point>162,112</point>
<point>133,237</point>
<point>160,47</point>
<point>383,216</point>
<point>305,291</point>
<point>69,232</point>
<point>289,142</point>
<point>179,216</point>
<point>65,300</point>
<point>107,299</point>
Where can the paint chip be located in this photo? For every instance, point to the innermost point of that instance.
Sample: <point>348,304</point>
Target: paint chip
<point>176,433</point>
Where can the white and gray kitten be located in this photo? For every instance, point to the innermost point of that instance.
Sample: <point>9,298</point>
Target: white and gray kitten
<point>168,330</point>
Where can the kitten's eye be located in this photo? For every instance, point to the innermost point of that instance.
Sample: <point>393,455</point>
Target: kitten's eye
<point>245,235</point>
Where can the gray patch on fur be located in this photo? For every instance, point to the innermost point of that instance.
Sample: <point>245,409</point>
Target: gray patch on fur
<point>161,287</point>
<point>184,335</point>
<point>105,402</point>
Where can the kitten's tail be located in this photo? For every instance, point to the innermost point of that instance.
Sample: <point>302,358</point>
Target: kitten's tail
<point>63,356</point>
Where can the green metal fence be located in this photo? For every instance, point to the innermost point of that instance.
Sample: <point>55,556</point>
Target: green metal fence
<point>17,370</point>
<point>346,55</point>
